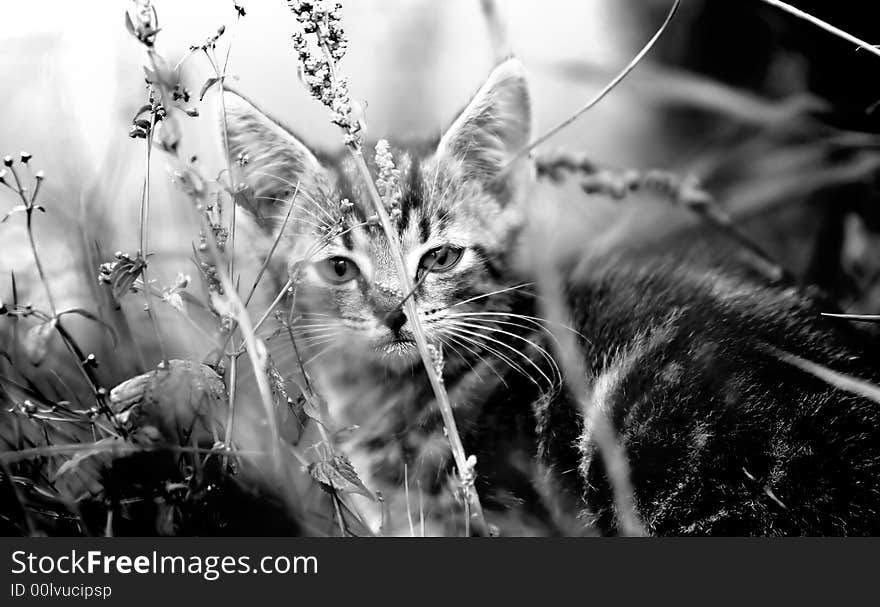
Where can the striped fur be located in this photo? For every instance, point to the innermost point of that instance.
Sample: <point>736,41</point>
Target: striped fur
<point>724,436</point>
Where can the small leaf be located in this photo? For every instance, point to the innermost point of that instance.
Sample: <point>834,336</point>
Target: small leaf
<point>125,272</point>
<point>129,25</point>
<point>181,394</point>
<point>208,84</point>
<point>175,301</point>
<point>36,340</point>
<point>142,110</point>
<point>338,474</point>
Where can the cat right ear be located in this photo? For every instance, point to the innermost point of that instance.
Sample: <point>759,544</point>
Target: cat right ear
<point>486,139</point>
<point>272,161</point>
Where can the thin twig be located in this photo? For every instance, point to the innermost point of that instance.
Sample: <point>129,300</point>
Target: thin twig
<point>607,89</point>
<point>873,49</point>
<point>145,230</point>
<point>873,318</point>
<point>498,37</point>
<point>464,465</point>
<point>575,374</point>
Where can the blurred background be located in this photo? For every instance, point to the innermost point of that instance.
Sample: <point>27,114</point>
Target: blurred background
<point>779,120</point>
<point>776,117</point>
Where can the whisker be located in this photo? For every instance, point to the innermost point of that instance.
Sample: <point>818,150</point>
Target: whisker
<point>303,193</point>
<point>465,335</point>
<point>321,353</point>
<point>557,373</point>
<point>481,317</point>
<point>531,328</point>
<point>316,341</point>
<point>478,356</point>
<point>500,356</point>
<point>447,343</point>
<point>321,221</point>
<point>354,227</point>
<point>465,326</point>
<point>537,320</point>
<point>319,333</point>
<point>315,326</point>
<point>498,292</point>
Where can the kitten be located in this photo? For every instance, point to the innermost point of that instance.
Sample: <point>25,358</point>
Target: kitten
<point>712,379</point>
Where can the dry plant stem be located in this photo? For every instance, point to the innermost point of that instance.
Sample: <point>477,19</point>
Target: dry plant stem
<point>669,186</point>
<point>233,360</point>
<point>412,530</point>
<point>437,386</point>
<point>90,377</point>
<point>66,337</point>
<point>29,211</point>
<point>265,265</point>
<point>221,84</point>
<point>274,246</point>
<point>824,25</point>
<point>602,432</point>
<point>230,416</point>
<point>144,230</point>
<point>274,304</point>
<point>873,318</point>
<point>307,391</point>
<point>317,404</point>
<point>10,457</point>
<point>607,89</point>
<point>497,30</point>
<point>841,381</point>
<point>92,250</point>
<point>39,264</point>
<point>465,472</point>
<point>256,354</point>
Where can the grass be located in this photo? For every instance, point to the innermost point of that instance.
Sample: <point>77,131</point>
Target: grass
<point>175,440</point>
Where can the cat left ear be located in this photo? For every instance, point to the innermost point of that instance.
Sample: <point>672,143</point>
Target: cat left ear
<point>492,130</point>
<point>273,161</point>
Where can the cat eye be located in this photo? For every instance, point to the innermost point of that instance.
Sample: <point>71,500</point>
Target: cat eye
<point>337,269</point>
<point>440,259</point>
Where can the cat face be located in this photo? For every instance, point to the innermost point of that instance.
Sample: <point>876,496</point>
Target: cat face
<point>457,218</point>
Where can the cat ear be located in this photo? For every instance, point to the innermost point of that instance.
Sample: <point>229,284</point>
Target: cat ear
<point>272,161</point>
<point>492,129</point>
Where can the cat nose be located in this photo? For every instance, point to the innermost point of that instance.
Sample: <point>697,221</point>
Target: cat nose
<point>394,319</point>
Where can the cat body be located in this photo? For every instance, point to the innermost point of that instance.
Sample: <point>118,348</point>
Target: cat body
<point>727,430</point>
<point>733,399</point>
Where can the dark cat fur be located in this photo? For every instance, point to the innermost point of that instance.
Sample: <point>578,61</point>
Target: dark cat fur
<point>723,437</point>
